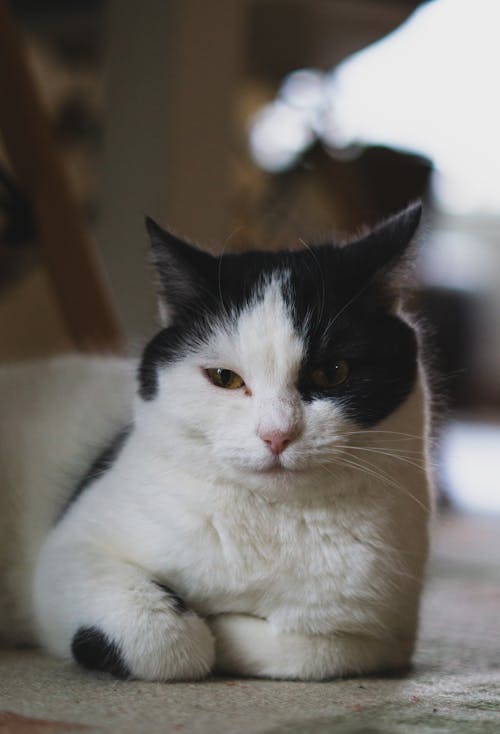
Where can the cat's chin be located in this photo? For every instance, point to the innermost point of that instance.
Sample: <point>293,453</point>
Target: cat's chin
<point>275,469</point>
<point>273,481</point>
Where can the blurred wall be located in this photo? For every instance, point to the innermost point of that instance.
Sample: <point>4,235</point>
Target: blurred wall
<point>173,67</point>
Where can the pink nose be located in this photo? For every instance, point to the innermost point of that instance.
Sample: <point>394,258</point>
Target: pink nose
<point>277,441</point>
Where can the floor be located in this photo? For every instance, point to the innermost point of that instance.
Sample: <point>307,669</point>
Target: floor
<point>454,686</point>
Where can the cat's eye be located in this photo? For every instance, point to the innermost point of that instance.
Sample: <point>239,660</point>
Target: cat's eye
<point>224,378</point>
<point>330,376</point>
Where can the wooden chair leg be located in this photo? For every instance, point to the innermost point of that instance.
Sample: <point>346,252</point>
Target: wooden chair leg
<point>67,247</point>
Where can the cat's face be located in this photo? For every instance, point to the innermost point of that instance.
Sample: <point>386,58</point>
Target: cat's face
<point>270,362</point>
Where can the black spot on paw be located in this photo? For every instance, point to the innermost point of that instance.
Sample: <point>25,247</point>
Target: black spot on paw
<point>178,602</point>
<point>92,649</point>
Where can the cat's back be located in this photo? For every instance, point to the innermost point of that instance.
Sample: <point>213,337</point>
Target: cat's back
<point>56,415</point>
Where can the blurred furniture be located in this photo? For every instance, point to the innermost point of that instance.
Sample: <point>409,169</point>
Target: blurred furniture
<point>67,249</point>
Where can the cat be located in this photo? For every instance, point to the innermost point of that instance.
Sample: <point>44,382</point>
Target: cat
<point>251,498</point>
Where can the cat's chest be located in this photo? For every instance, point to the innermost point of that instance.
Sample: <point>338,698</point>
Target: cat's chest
<point>275,563</point>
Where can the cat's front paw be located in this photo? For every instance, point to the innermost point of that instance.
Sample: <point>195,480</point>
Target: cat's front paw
<point>239,644</point>
<point>161,641</point>
<point>251,646</point>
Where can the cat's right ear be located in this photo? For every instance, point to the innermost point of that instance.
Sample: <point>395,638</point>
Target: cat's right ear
<point>183,271</point>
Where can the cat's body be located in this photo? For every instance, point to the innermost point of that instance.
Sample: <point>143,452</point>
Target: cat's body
<point>272,524</point>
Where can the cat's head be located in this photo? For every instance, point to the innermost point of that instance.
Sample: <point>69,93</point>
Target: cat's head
<point>267,361</point>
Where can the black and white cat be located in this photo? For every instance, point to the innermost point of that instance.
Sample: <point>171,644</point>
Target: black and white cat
<point>253,499</point>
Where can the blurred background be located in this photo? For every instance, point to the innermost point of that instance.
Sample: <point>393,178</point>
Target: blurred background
<point>241,123</point>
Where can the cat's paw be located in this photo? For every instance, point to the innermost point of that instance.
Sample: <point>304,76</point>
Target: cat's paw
<point>251,646</point>
<point>161,641</point>
<point>239,643</point>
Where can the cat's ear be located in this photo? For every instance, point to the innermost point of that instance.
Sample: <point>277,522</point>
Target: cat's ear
<point>387,247</point>
<point>183,271</point>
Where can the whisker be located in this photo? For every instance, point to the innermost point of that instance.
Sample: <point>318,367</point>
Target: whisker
<point>357,463</point>
<point>322,277</point>
<point>331,443</point>
<point>350,302</point>
<point>327,447</point>
<point>387,454</point>
<point>396,485</point>
<point>366,467</point>
<point>373,431</point>
<point>343,461</point>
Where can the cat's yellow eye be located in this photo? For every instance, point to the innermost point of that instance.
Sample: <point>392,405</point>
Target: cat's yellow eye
<point>331,376</point>
<point>224,378</point>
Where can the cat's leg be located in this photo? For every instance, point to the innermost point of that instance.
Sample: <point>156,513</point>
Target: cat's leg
<point>111,615</point>
<point>251,646</point>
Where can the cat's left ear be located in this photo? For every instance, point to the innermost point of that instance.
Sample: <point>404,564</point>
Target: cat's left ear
<point>388,245</point>
<point>183,272</point>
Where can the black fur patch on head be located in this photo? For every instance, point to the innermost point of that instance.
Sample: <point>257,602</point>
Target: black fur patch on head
<point>381,354</point>
<point>91,648</point>
<point>341,299</point>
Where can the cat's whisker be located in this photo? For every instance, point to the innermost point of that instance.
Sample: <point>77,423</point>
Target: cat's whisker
<point>388,454</point>
<point>332,443</point>
<point>352,300</point>
<point>326,449</point>
<point>416,458</point>
<point>378,432</point>
<point>322,277</point>
<point>399,487</point>
<point>367,468</point>
<point>384,479</point>
<point>377,472</point>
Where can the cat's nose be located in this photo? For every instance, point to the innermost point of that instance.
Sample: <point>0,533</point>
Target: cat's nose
<point>277,441</point>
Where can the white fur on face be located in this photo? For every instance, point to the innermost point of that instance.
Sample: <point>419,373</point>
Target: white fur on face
<point>265,348</point>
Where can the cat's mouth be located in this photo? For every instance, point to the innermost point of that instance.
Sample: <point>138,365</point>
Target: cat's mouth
<point>269,466</point>
<point>276,467</point>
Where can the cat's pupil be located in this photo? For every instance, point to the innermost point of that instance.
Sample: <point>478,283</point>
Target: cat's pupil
<point>331,375</point>
<point>225,376</point>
